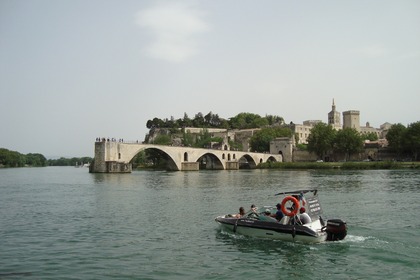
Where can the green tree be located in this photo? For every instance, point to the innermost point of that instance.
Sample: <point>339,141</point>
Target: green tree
<point>235,145</point>
<point>36,160</point>
<point>198,120</point>
<point>321,139</point>
<point>260,141</point>
<point>371,136</point>
<point>187,139</point>
<point>162,139</point>
<point>272,120</point>
<point>348,141</point>
<point>204,139</point>
<point>413,139</point>
<point>11,158</point>
<point>247,120</point>
<point>186,121</point>
<point>139,160</point>
<point>396,138</point>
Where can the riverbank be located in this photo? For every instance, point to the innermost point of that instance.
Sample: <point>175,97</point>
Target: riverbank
<point>341,165</point>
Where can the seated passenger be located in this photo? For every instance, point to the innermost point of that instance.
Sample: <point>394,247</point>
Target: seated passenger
<point>254,208</point>
<point>304,217</point>
<point>279,214</point>
<point>266,217</point>
<point>241,213</point>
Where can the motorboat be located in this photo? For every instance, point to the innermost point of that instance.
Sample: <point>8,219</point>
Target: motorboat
<point>296,207</point>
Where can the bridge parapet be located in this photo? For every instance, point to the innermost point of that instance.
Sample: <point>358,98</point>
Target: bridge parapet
<point>116,157</point>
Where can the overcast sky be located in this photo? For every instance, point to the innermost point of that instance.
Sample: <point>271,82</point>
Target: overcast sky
<point>71,71</point>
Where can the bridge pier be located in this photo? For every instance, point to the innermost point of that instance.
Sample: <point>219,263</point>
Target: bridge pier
<point>190,166</point>
<point>103,163</point>
<point>232,165</point>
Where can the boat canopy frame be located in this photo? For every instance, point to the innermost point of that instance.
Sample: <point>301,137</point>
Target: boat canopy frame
<point>298,192</point>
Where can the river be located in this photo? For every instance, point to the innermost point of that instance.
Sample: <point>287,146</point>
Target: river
<point>65,223</point>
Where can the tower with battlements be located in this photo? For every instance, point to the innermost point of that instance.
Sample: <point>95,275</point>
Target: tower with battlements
<point>351,119</point>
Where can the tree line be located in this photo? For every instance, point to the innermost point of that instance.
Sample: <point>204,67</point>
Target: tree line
<point>74,161</point>
<point>210,120</point>
<point>405,140</point>
<point>15,159</point>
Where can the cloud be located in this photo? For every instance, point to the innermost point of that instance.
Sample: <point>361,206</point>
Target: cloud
<point>409,55</point>
<point>373,51</point>
<point>174,26</point>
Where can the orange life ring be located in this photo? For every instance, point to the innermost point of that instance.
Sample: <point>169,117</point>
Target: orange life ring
<point>295,204</point>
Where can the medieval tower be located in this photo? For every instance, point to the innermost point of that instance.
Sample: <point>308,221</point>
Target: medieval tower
<point>351,119</point>
<point>334,118</point>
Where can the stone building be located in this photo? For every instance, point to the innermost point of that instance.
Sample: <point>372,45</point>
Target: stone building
<point>368,129</point>
<point>283,146</point>
<point>302,131</point>
<point>351,119</point>
<point>334,118</point>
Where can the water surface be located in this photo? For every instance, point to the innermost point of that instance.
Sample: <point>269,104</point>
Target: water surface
<point>62,222</point>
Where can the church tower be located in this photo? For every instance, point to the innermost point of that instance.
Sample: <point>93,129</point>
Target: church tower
<point>334,118</point>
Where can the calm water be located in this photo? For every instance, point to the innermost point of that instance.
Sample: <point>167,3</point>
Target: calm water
<point>64,223</point>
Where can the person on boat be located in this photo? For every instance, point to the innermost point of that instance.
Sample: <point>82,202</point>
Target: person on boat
<point>279,214</point>
<point>254,208</point>
<point>241,213</point>
<point>304,217</point>
<point>302,199</point>
<point>266,217</point>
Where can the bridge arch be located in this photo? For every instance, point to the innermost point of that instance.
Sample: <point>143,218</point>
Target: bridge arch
<point>111,156</point>
<point>247,162</point>
<point>170,161</point>
<point>210,161</point>
<point>271,159</point>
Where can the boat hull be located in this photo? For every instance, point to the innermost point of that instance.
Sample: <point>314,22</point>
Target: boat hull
<point>272,230</point>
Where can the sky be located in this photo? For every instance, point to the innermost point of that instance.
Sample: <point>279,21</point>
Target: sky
<point>75,70</point>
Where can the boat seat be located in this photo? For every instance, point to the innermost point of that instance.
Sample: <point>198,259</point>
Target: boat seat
<point>284,220</point>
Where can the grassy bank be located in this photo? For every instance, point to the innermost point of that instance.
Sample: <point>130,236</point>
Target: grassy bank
<point>341,165</point>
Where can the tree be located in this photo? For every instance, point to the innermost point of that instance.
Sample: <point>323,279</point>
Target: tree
<point>11,158</point>
<point>321,139</point>
<point>208,118</point>
<point>396,138</point>
<point>204,139</point>
<point>274,120</point>
<point>198,120</point>
<point>348,141</point>
<point>260,141</point>
<point>371,136</point>
<point>36,160</point>
<point>187,139</point>
<point>186,121</point>
<point>246,120</point>
<point>140,159</point>
<point>413,139</point>
<point>162,139</point>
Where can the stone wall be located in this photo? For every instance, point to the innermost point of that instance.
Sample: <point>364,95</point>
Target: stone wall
<point>299,156</point>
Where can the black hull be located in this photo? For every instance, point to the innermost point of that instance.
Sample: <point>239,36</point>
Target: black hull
<point>289,230</point>
<point>273,230</point>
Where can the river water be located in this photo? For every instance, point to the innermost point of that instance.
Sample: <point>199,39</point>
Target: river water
<point>65,223</point>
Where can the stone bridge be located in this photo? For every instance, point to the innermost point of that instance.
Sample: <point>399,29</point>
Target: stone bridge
<point>116,157</point>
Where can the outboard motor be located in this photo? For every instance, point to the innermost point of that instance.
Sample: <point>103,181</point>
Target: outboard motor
<point>336,230</point>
